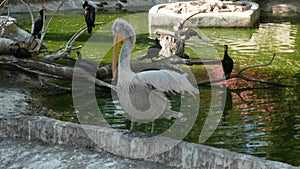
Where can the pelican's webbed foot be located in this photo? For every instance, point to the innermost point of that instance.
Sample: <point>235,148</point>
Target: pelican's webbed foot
<point>133,134</point>
<point>130,133</point>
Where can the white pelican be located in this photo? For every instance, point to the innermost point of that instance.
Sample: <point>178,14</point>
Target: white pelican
<point>141,95</point>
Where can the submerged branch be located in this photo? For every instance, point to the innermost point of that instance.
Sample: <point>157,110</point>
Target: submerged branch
<point>260,65</point>
<point>239,75</point>
<point>260,81</point>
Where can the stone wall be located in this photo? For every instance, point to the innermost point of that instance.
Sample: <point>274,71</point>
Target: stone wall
<point>281,6</point>
<point>16,7</point>
<point>184,155</point>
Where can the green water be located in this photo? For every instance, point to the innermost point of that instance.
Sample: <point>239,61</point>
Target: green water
<point>258,119</point>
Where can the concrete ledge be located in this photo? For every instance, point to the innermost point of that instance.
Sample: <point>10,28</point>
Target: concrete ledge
<point>51,5</point>
<point>184,155</point>
<point>248,18</point>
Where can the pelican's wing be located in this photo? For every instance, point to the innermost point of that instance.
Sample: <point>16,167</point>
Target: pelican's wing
<point>167,81</point>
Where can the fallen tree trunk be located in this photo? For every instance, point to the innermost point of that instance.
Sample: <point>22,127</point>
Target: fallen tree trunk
<point>52,70</point>
<point>6,46</point>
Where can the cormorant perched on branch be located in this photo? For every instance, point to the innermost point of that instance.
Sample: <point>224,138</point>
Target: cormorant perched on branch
<point>89,66</point>
<point>38,24</point>
<point>101,4</point>
<point>153,51</point>
<point>20,52</point>
<point>227,63</point>
<point>89,15</point>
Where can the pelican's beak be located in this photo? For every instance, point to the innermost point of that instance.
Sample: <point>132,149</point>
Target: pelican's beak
<point>117,41</point>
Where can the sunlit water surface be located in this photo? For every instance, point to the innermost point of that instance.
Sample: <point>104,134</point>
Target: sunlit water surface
<point>258,119</point>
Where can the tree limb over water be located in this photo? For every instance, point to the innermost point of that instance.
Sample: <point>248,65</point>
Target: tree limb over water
<point>239,75</point>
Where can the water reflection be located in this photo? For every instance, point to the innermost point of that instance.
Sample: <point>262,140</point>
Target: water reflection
<point>261,122</point>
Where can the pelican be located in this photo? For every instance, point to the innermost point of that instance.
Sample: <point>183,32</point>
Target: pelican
<point>227,63</point>
<point>141,95</point>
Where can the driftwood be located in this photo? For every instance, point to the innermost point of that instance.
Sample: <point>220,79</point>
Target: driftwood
<point>6,46</point>
<point>49,69</point>
<point>66,51</point>
<point>52,70</point>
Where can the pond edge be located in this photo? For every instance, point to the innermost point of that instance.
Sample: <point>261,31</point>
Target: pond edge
<point>183,155</point>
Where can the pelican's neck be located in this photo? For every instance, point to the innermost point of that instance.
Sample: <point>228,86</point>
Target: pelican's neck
<point>124,68</point>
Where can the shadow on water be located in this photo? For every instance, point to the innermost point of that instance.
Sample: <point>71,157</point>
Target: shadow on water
<point>259,120</point>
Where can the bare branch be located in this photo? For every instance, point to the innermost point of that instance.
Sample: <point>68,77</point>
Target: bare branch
<point>239,75</point>
<point>260,65</point>
<point>31,15</point>
<point>260,81</point>
<point>3,3</point>
<point>29,70</point>
<point>41,68</point>
<point>65,52</point>
<point>77,34</point>
<point>83,75</point>
<point>44,29</point>
<point>206,82</point>
<point>186,19</point>
<point>49,22</point>
<point>54,85</point>
<point>7,19</point>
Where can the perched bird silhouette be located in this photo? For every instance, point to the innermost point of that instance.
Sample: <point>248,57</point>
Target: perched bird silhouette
<point>20,52</point>
<point>89,66</point>
<point>102,4</point>
<point>38,24</point>
<point>153,51</point>
<point>89,15</point>
<point>227,63</point>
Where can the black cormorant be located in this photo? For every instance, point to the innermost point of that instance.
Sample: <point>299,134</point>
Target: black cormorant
<point>227,63</point>
<point>153,51</point>
<point>101,4</point>
<point>89,66</point>
<point>38,24</point>
<point>119,5</point>
<point>20,52</point>
<point>89,15</point>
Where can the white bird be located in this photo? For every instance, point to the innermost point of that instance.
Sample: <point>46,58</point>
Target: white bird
<point>141,95</point>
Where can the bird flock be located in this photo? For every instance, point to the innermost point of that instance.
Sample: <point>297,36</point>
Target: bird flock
<point>141,95</point>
